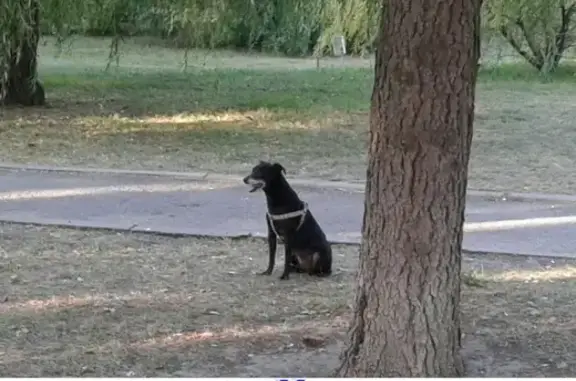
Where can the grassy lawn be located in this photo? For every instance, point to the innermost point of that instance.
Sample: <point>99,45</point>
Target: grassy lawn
<point>228,110</point>
<point>88,303</point>
<point>94,303</point>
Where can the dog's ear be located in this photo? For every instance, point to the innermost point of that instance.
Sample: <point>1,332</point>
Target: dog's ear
<point>279,168</point>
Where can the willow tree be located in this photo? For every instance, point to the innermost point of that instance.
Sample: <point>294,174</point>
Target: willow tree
<point>295,27</point>
<point>540,31</point>
<point>357,20</point>
<point>19,33</point>
<point>406,320</point>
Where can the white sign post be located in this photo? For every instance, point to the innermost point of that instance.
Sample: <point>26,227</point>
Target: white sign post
<point>339,46</point>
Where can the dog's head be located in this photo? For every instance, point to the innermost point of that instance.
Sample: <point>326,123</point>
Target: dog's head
<point>263,174</point>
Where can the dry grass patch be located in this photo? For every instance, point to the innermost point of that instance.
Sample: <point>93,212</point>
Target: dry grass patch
<point>86,303</point>
<point>220,117</point>
<point>551,275</point>
<point>522,138</point>
<point>328,146</point>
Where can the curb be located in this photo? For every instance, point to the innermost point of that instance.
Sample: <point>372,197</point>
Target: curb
<point>196,176</point>
<point>172,233</point>
<point>312,183</point>
<point>260,237</point>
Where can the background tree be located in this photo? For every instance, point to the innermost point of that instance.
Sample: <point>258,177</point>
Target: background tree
<point>19,35</point>
<point>293,27</point>
<point>539,30</point>
<point>407,319</point>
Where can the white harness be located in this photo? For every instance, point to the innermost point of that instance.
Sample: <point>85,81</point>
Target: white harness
<point>286,216</point>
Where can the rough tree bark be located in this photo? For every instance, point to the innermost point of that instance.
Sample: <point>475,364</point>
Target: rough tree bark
<point>23,87</point>
<point>407,318</point>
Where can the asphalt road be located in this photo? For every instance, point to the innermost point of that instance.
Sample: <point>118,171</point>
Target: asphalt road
<point>144,203</point>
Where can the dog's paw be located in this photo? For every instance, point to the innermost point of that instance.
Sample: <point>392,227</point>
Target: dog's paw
<point>265,272</point>
<point>285,277</point>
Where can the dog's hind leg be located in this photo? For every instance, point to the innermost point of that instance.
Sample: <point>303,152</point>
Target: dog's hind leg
<point>296,266</point>
<point>288,258</point>
<point>324,264</point>
<point>272,245</point>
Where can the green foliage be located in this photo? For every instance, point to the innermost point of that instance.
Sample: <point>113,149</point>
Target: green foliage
<point>356,20</point>
<point>539,30</point>
<point>293,27</point>
<point>12,32</point>
<point>535,28</point>
<point>18,41</point>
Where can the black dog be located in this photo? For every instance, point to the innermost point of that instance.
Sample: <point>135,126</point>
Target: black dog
<point>306,248</point>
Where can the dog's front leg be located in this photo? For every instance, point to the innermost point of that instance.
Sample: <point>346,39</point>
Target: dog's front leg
<point>272,244</point>
<point>287,261</point>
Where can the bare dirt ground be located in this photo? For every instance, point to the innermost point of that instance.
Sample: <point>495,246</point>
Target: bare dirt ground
<point>93,303</point>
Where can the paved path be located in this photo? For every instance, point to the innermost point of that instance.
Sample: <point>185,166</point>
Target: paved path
<point>225,208</point>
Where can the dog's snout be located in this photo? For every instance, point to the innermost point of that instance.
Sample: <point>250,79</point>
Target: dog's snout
<point>246,179</point>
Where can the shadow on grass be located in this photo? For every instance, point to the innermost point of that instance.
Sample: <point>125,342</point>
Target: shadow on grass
<point>196,118</point>
<point>155,125</point>
<point>78,302</point>
<point>135,335</point>
<point>519,323</point>
<point>521,327</point>
<point>315,121</point>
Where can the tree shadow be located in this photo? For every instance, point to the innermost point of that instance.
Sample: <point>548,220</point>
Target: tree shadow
<point>99,335</point>
<point>186,121</point>
<point>517,322</point>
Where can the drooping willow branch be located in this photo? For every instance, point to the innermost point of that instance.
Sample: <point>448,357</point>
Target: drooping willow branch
<point>544,55</point>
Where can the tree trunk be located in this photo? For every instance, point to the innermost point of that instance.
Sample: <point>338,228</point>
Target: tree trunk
<point>22,86</point>
<point>407,316</point>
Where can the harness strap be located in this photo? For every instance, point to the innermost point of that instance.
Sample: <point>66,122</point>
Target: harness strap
<point>286,216</point>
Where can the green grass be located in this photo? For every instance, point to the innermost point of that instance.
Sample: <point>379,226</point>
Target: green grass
<point>525,74</point>
<point>228,109</point>
<point>214,90</point>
